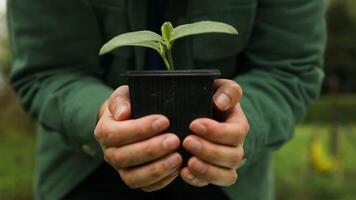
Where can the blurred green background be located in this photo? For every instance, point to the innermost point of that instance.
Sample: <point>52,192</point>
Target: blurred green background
<point>318,163</point>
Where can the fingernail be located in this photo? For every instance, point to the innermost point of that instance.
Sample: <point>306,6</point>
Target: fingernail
<point>170,142</point>
<point>199,128</point>
<point>190,176</point>
<point>199,166</point>
<point>194,144</point>
<point>222,101</point>
<point>158,124</point>
<point>172,162</point>
<point>120,110</point>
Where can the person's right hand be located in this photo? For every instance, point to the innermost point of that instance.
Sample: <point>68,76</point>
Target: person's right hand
<point>144,157</point>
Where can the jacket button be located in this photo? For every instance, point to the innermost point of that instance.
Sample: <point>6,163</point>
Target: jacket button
<point>87,149</point>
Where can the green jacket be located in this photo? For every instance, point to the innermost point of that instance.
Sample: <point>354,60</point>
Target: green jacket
<point>61,80</point>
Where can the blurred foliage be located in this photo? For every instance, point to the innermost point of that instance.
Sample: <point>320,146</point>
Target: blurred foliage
<point>17,141</point>
<point>12,117</point>
<point>17,152</point>
<point>333,108</point>
<point>4,56</point>
<point>4,47</point>
<point>296,178</point>
<point>340,56</point>
<point>322,161</point>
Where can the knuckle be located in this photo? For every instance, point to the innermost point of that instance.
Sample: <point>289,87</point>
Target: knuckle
<point>228,81</point>
<point>234,91</point>
<point>122,93</point>
<point>245,127</point>
<point>120,160</point>
<point>118,95</point>
<point>112,105</point>
<point>97,131</point>
<point>102,131</point>
<point>240,133</point>
<point>141,132</point>
<point>236,157</point>
<point>155,172</point>
<point>241,153</point>
<point>142,128</point>
<point>120,90</point>
<point>235,87</point>
<point>237,140</point>
<point>107,134</point>
<point>212,154</point>
<point>233,179</point>
<point>127,178</point>
<point>123,89</point>
<point>228,130</point>
<point>215,131</point>
<point>150,150</point>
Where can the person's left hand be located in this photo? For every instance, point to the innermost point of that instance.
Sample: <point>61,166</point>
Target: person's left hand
<point>217,147</point>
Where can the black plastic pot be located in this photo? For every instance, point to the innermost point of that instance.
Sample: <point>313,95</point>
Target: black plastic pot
<point>181,95</point>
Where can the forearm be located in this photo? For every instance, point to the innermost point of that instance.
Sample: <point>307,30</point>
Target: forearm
<point>285,58</point>
<point>56,70</point>
<point>67,102</point>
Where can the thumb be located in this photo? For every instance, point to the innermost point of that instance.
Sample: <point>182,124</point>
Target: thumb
<point>119,103</point>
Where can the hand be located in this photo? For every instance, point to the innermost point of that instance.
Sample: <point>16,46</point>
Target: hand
<point>217,147</point>
<point>144,157</point>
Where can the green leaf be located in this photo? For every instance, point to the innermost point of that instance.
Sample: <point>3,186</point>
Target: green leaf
<point>202,27</point>
<point>167,30</point>
<point>138,38</point>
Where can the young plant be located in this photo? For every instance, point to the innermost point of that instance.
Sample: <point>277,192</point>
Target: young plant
<point>163,44</point>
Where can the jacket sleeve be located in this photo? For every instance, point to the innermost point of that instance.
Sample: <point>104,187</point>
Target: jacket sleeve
<point>285,55</point>
<point>56,71</point>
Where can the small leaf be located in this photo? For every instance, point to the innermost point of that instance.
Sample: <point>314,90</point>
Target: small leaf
<point>202,27</point>
<point>167,30</point>
<point>150,44</point>
<point>138,38</point>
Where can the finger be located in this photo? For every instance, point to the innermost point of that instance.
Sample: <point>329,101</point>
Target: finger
<point>191,179</point>
<point>161,183</point>
<point>226,133</point>
<point>112,133</point>
<point>119,103</point>
<point>146,175</point>
<point>227,95</point>
<point>141,152</point>
<point>213,174</point>
<point>237,115</point>
<point>219,155</point>
<point>104,110</point>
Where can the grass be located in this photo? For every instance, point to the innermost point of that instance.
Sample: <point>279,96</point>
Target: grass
<point>295,179</point>
<point>16,165</point>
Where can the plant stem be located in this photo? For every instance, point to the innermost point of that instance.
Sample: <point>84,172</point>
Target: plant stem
<point>166,62</point>
<point>170,59</point>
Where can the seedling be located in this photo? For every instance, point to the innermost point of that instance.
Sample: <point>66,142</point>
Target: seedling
<point>163,43</point>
